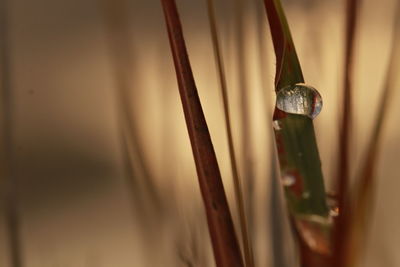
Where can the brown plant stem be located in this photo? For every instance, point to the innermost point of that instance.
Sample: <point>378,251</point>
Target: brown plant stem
<point>12,216</point>
<point>225,246</point>
<point>368,172</point>
<point>367,178</point>
<point>342,225</point>
<point>247,247</point>
<point>275,201</point>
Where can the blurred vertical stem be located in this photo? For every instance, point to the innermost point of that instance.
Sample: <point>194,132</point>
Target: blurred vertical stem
<point>298,153</point>
<point>247,247</point>
<point>223,237</point>
<point>6,158</point>
<point>366,183</point>
<point>342,225</point>
<point>122,57</point>
<point>245,130</point>
<point>344,137</point>
<point>279,257</point>
<point>367,176</point>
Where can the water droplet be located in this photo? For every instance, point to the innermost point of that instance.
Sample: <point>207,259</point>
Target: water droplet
<point>299,99</point>
<point>276,125</point>
<point>288,180</point>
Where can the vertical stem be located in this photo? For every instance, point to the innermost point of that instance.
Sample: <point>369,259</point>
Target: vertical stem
<point>13,227</point>
<point>222,233</point>
<point>247,247</point>
<point>10,198</point>
<point>366,183</point>
<point>246,144</point>
<point>342,226</point>
<point>347,114</point>
<point>367,174</point>
<point>275,215</point>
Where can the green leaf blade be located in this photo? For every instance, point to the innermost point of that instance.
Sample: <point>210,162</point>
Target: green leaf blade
<point>298,154</point>
<point>297,146</point>
<point>288,70</point>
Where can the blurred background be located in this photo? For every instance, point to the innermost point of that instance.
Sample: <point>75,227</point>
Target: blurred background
<point>95,143</point>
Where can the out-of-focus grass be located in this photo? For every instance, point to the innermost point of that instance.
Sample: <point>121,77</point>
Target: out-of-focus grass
<point>72,104</point>
<point>238,189</point>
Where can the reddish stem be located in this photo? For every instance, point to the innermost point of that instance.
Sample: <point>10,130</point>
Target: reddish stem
<point>343,221</point>
<point>224,241</point>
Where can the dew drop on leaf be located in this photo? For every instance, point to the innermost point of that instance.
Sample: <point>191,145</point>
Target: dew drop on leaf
<point>299,99</point>
<point>288,180</point>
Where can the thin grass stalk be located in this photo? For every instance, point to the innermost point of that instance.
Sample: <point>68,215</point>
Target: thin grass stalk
<point>346,120</point>
<point>12,216</point>
<point>275,204</point>
<point>225,245</point>
<point>367,176</point>
<point>120,48</point>
<point>246,140</point>
<point>343,221</point>
<point>247,247</point>
<point>366,183</point>
<point>13,228</point>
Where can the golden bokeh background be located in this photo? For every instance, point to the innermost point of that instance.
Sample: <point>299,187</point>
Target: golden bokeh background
<point>79,207</point>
